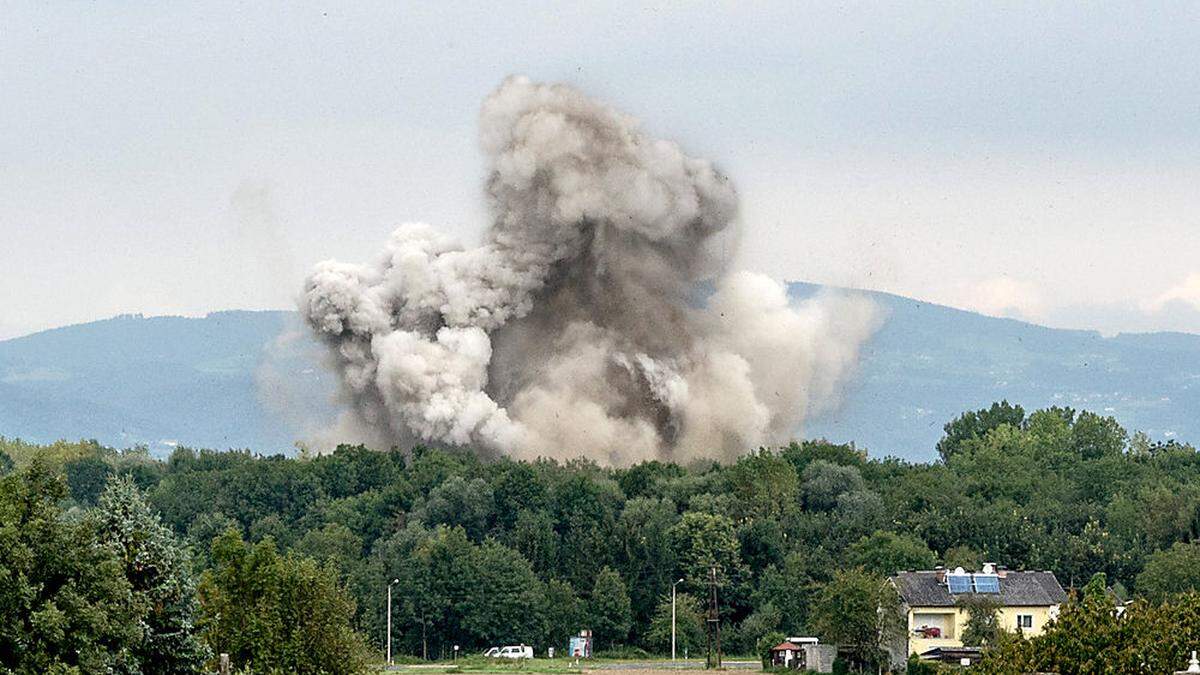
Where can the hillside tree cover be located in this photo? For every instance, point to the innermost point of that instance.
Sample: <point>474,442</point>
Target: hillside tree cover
<point>497,551</point>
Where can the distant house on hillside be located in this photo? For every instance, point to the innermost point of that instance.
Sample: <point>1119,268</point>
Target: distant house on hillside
<point>932,603</point>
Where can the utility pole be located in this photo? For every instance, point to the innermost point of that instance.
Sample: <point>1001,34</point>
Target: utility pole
<point>713,659</point>
<point>389,620</point>
<point>673,617</point>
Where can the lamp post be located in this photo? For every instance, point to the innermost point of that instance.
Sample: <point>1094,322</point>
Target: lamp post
<point>673,618</point>
<point>389,620</point>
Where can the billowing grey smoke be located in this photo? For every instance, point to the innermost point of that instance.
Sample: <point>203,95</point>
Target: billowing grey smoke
<point>596,319</point>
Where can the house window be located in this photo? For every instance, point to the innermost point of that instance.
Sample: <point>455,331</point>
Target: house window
<point>1024,621</point>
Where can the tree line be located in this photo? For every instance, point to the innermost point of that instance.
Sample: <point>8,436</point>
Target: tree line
<point>485,552</point>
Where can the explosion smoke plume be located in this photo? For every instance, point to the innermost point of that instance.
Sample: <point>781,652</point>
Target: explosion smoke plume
<point>580,326</point>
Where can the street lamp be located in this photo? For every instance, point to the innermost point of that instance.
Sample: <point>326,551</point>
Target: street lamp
<point>389,620</point>
<point>673,617</point>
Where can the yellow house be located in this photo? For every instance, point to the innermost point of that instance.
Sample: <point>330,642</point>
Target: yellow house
<point>932,603</point>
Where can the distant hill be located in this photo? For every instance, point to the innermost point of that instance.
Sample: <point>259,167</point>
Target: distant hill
<point>928,363</point>
<point>164,380</point>
<point>253,379</point>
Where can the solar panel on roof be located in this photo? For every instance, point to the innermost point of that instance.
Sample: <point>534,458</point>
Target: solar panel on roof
<point>987,583</point>
<point>959,583</point>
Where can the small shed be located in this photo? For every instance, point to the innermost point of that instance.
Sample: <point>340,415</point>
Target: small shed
<point>804,654</point>
<point>786,655</point>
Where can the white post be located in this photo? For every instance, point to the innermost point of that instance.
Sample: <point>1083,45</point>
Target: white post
<point>389,621</point>
<point>673,618</point>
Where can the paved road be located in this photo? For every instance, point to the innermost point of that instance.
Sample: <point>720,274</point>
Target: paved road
<point>673,665</point>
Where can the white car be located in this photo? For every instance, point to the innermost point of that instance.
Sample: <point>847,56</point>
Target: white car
<point>514,652</point>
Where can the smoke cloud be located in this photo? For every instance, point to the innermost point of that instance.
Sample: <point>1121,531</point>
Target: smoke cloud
<point>597,318</point>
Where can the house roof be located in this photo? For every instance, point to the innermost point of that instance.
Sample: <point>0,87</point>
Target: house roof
<point>1017,589</point>
<point>785,646</point>
<point>951,654</point>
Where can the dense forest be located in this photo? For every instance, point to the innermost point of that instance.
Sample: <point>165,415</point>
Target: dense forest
<point>486,552</point>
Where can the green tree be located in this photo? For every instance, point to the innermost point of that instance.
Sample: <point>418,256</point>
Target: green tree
<point>202,531</point>
<point>646,555</point>
<point>762,620</point>
<point>585,507</point>
<point>65,603</point>
<point>974,425</point>
<point>860,613</point>
<point>1096,587</point>
<point>564,613</point>
<point>763,485</point>
<point>824,482</point>
<point>765,644</point>
<point>515,490</point>
<point>885,553</point>
<point>645,479</point>
<point>468,504</point>
<point>982,627</point>
<point>763,543</point>
<point>504,605</point>
<point>1173,570</point>
<point>437,578</point>
<point>962,556</point>
<point>689,625</point>
<point>6,463</point>
<point>86,477</point>
<point>609,610</point>
<point>1094,437</point>
<point>275,613</point>
<point>703,541</point>
<point>333,543</point>
<point>271,526</point>
<point>533,535</point>
<point>806,452</point>
<point>793,586</point>
<point>159,572</point>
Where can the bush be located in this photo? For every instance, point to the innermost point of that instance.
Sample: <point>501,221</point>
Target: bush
<point>918,667</point>
<point>625,652</point>
<point>764,645</point>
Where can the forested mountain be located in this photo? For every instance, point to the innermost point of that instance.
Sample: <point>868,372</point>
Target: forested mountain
<point>254,379</point>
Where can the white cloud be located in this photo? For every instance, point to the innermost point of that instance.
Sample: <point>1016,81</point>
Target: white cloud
<point>1187,291</point>
<point>1007,297</point>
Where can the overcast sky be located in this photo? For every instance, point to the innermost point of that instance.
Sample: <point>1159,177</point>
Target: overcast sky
<point>1025,160</point>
